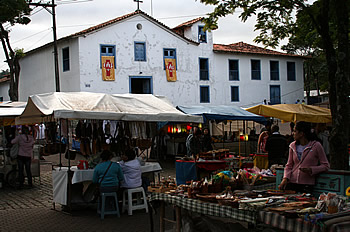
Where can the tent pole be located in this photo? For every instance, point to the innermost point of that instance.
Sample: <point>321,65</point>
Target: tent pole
<point>245,132</point>
<point>223,134</point>
<point>239,147</point>
<point>68,143</point>
<point>60,124</point>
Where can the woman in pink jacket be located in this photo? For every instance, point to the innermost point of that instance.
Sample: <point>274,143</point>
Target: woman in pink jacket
<point>306,159</point>
<point>24,158</point>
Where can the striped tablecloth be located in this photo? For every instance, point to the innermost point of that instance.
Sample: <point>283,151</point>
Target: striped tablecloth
<point>211,209</point>
<point>287,224</point>
<point>338,222</point>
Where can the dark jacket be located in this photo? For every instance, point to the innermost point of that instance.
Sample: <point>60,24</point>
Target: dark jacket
<point>206,143</point>
<point>277,147</point>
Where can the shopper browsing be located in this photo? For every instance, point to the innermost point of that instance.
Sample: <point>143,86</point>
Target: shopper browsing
<point>24,158</point>
<point>306,159</point>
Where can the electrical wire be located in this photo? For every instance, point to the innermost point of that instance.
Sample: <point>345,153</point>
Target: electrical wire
<point>28,48</point>
<point>256,103</point>
<point>31,35</point>
<point>72,2</point>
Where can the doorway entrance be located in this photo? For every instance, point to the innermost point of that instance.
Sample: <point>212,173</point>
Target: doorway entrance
<point>141,85</point>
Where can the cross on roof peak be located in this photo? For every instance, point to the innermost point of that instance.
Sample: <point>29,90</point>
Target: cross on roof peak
<point>138,3</point>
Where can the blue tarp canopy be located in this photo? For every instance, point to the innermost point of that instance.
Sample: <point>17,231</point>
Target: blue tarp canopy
<point>221,113</point>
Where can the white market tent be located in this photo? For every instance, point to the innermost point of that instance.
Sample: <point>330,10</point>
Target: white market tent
<point>86,105</point>
<point>11,109</point>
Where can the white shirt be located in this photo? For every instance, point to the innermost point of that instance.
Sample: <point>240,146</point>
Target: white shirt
<point>132,174</point>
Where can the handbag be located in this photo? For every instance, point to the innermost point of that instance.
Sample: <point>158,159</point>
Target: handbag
<point>70,154</point>
<point>97,190</point>
<point>14,151</point>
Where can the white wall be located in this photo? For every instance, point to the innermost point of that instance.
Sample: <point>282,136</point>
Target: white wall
<point>38,73</point>
<point>85,74</point>
<point>184,91</point>
<point>253,92</point>
<point>69,80</point>
<point>4,90</point>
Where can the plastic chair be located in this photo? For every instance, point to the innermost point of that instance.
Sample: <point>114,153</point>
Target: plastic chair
<point>101,209</point>
<point>128,205</point>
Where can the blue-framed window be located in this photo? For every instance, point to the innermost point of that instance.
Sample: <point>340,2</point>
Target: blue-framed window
<point>106,50</point>
<point>274,70</point>
<point>65,59</point>
<point>140,51</point>
<point>291,71</point>
<point>275,94</point>
<point>203,69</point>
<point>233,70</point>
<point>141,84</point>
<point>204,94</point>
<point>202,35</point>
<point>169,53</point>
<point>234,93</point>
<point>256,69</point>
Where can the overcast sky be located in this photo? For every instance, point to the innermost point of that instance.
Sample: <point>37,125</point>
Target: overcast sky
<point>73,17</point>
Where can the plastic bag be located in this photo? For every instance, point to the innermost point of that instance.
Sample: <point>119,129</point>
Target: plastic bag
<point>14,151</point>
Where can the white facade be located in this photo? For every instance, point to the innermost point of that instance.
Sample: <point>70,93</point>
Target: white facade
<point>85,74</point>
<point>4,90</point>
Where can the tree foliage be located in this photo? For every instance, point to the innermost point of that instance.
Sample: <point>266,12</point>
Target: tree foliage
<point>12,12</point>
<point>319,28</point>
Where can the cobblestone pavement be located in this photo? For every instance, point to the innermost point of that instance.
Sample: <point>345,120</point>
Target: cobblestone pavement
<point>32,210</point>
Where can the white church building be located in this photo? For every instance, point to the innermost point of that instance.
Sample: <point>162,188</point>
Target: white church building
<point>139,48</point>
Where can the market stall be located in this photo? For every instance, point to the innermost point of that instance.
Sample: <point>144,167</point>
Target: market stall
<point>60,184</point>
<point>221,113</point>
<point>131,110</point>
<point>221,158</point>
<point>8,112</point>
<point>256,209</point>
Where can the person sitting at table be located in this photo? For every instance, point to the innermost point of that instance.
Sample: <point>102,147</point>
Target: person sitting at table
<point>132,170</point>
<point>108,174</point>
<point>306,159</point>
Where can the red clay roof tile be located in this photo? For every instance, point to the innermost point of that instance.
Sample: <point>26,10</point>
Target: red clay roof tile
<point>189,23</point>
<point>91,29</point>
<point>5,78</point>
<point>241,47</point>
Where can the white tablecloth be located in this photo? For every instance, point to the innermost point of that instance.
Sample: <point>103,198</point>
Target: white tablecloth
<point>86,175</point>
<point>60,178</point>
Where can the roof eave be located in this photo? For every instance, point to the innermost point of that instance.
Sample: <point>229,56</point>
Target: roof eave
<point>82,34</point>
<point>263,54</point>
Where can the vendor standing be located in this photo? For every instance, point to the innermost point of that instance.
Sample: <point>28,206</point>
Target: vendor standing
<point>306,159</point>
<point>193,142</point>
<point>206,141</point>
<point>276,146</point>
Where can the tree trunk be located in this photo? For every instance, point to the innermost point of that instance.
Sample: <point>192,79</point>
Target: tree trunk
<point>339,158</point>
<point>339,139</point>
<point>13,91</point>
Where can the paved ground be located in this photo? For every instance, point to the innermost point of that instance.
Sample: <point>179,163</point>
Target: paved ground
<point>31,209</point>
